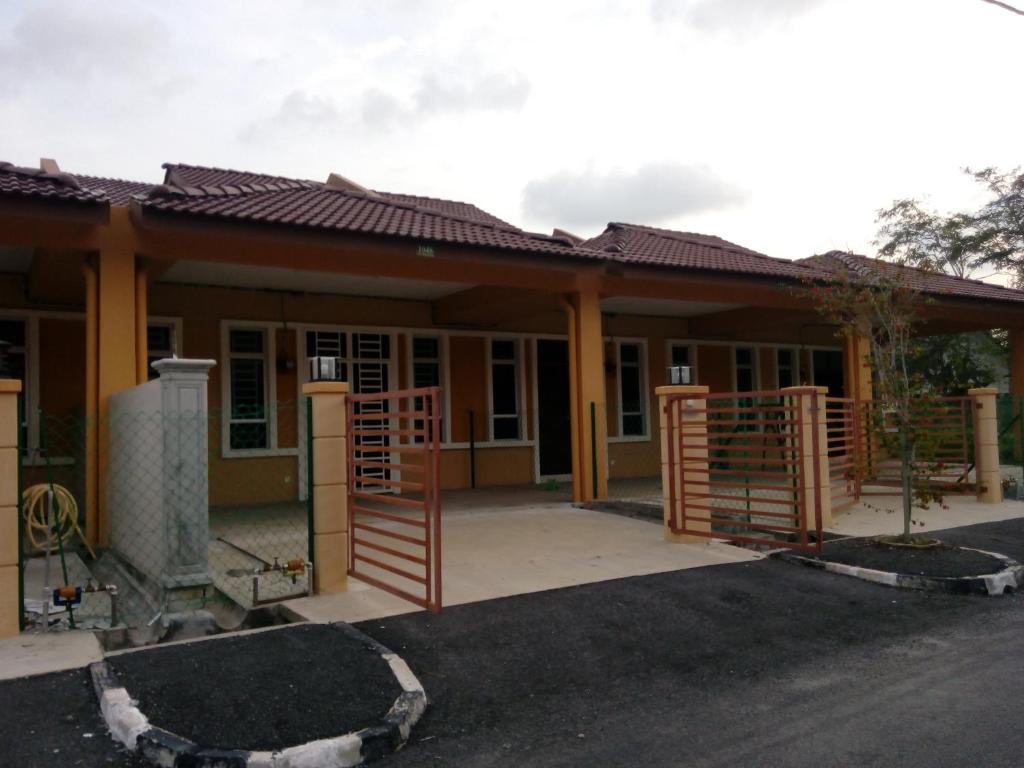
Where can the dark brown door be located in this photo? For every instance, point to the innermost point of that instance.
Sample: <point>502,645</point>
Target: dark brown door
<point>553,419</point>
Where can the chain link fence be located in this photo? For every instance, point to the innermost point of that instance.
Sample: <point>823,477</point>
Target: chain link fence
<point>193,511</point>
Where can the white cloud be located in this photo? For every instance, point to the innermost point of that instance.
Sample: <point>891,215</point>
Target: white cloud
<point>820,111</point>
<point>651,194</point>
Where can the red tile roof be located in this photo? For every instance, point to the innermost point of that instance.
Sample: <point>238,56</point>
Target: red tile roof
<point>117,191</point>
<point>259,198</point>
<point>650,246</point>
<point>268,199</point>
<point>932,283</point>
<point>34,183</point>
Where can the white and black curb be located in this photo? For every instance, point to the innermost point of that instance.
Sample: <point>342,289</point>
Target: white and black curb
<point>1008,579</point>
<point>129,726</point>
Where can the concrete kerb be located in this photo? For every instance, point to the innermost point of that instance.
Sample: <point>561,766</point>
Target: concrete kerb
<point>130,726</point>
<point>998,583</point>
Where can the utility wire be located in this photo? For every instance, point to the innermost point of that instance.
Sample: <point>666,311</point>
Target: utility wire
<point>1005,6</point>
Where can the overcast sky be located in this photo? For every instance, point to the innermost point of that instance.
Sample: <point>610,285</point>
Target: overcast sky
<point>782,125</point>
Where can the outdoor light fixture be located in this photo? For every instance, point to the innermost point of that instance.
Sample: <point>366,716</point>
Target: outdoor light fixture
<point>680,374</point>
<point>326,369</point>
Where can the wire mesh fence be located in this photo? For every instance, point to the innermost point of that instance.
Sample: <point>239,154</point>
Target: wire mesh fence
<point>193,510</point>
<point>1010,426</point>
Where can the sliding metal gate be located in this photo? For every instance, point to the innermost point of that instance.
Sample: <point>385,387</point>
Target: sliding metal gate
<point>394,495</point>
<point>740,468</point>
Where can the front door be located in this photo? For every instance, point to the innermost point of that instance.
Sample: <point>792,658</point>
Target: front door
<point>554,431</point>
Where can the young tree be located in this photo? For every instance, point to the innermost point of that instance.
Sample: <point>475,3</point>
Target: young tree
<point>878,304</point>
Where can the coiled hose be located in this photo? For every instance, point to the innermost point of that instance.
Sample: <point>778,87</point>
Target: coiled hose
<point>65,517</point>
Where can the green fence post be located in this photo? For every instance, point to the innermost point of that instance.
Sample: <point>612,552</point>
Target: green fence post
<point>593,444</point>
<point>21,514</point>
<point>309,480</point>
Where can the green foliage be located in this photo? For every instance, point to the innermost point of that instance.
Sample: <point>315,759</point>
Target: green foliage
<point>879,304</point>
<point>951,365</point>
<point>963,242</point>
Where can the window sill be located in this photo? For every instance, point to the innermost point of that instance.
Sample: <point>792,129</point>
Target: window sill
<point>54,461</point>
<point>630,439</point>
<point>256,453</point>
<point>488,444</point>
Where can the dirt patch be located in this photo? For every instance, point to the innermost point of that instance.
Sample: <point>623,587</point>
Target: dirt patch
<point>945,560</point>
<point>262,691</point>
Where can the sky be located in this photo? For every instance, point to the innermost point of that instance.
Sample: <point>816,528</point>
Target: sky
<point>781,125</point>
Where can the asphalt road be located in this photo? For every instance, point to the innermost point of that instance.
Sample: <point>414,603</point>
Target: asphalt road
<point>754,664</point>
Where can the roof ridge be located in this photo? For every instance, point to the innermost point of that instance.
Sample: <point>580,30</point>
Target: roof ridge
<point>916,268</point>
<point>722,243</point>
<point>64,179</point>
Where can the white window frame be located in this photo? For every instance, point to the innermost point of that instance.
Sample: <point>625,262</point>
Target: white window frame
<point>755,366</point>
<point>30,390</point>
<point>794,356</point>
<point>442,368</point>
<point>645,406</point>
<point>270,375</point>
<point>175,326</point>
<point>518,373</point>
<point>671,344</point>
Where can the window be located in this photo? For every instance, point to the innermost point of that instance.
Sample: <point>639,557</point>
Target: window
<point>14,361</point>
<point>684,354</point>
<point>786,367</point>
<point>632,413</point>
<point>504,390</point>
<point>426,371</point>
<point>248,423</point>
<point>746,376</point>
<point>161,343</point>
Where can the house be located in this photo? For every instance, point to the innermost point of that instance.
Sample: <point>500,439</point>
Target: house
<point>548,347</point>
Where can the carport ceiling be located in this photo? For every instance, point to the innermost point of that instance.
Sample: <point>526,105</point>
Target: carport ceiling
<point>276,278</point>
<point>15,260</point>
<point>627,305</point>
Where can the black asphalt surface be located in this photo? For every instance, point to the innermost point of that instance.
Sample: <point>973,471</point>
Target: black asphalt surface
<point>751,664</point>
<point>261,691</point>
<point>946,560</point>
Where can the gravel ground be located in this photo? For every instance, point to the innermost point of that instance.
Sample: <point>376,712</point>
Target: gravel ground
<point>267,690</point>
<point>945,560</point>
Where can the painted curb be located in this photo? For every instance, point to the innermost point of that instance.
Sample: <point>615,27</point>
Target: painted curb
<point>1008,579</point>
<point>130,726</point>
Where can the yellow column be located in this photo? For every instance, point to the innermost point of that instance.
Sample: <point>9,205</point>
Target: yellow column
<point>683,420</point>
<point>116,369</point>
<point>857,368</point>
<point>91,402</point>
<point>10,607</point>
<point>141,326</point>
<point>814,457</point>
<point>330,485</point>
<point>986,445</point>
<point>592,429</point>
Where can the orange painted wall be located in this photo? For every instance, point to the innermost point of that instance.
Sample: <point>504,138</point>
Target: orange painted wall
<point>715,367</point>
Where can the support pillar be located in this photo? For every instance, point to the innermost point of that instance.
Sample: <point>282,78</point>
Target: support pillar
<point>329,459</point>
<point>857,368</point>
<point>141,325</point>
<point>683,420</point>
<point>813,451</point>
<point>10,599</point>
<point>116,349</point>
<point>986,445</point>
<point>591,435</point>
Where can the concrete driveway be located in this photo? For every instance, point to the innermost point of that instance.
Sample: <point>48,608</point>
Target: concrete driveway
<point>529,546</point>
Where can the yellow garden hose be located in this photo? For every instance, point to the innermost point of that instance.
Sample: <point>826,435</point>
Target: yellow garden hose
<point>65,516</point>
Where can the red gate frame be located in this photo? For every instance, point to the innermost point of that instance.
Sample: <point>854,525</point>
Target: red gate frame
<point>428,414</point>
